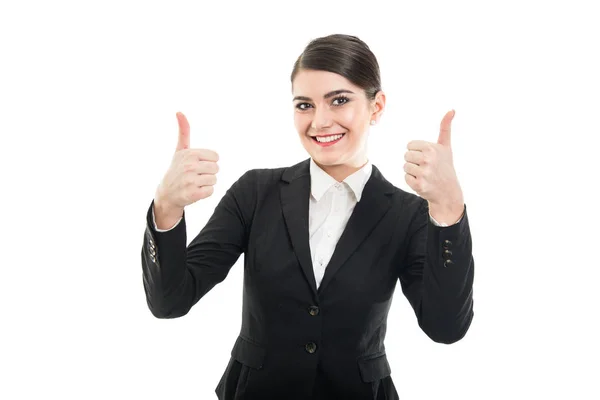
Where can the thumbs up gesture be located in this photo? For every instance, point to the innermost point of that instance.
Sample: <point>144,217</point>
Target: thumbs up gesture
<point>191,175</point>
<point>430,173</point>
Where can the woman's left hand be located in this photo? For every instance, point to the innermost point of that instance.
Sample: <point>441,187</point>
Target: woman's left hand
<point>430,172</point>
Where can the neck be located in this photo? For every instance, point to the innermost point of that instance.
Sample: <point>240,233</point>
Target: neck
<point>342,171</point>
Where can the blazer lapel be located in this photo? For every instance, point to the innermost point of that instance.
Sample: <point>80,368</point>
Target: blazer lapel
<point>373,205</point>
<point>295,196</point>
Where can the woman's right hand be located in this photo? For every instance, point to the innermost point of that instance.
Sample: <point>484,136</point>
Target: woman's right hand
<point>190,177</point>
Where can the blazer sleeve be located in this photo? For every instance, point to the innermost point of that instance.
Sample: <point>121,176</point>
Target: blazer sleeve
<point>176,276</point>
<point>437,276</point>
<point>166,230</point>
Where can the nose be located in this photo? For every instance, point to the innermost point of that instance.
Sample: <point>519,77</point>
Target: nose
<point>321,120</point>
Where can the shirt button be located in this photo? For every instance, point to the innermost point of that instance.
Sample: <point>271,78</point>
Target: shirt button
<point>447,254</point>
<point>313,310</point>
<point>447,244</point>
<point>310,347</point>
<point>329,234</point>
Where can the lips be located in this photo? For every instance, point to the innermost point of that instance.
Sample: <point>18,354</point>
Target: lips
<point>331,134</point>
<point>327,136</point>
<point>328,140</point>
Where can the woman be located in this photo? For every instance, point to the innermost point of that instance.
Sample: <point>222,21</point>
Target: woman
<point>324,242</point>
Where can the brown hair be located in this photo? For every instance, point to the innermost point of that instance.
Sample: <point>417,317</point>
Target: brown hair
<point>344,55</point>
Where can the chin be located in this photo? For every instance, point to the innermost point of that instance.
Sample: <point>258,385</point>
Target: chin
<point>329,160</point>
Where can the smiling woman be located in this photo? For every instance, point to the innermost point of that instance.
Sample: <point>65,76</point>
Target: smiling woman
<point>337,95</point>
<point>325,242</point>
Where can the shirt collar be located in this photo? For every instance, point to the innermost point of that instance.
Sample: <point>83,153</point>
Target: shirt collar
<point>321,182</point>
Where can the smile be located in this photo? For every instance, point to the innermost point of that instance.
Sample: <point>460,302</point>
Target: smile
<point>328,140</point>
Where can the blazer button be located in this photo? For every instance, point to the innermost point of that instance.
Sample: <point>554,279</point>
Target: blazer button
<point>447,254</point>
<point>447,263</point>
<point>311,347</point>
<point>313,310</point>
<point>447,244</point>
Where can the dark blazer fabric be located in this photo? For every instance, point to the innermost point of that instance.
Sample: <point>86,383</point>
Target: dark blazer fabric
<point>297,341</point>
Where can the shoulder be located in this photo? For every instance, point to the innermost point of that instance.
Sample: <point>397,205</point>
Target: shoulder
<point>265,177</point>
<point>257,184</point>
<point>411,200</point>
<point>408,200</point>
<point>406,206</point>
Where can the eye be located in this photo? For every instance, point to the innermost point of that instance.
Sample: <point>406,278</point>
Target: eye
<point>299,106</point>
<point>344,98</point>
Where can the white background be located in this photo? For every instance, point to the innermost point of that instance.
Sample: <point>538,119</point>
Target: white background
<point>88,95</point>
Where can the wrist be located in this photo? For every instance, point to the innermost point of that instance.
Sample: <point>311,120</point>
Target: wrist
<point>447,213</point>
<point>166,210</point>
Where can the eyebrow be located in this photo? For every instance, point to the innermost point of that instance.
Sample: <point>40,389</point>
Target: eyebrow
<point>327,95</point>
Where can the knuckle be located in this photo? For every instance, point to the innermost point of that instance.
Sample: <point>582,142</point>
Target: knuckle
<point>183,157</point>
<point>205,191</point>
<point>208,167</point>
<point>208,155</point>
<point>188,167</point>
<point>199,194</point>
<point>207,179</point>
<point>183,154</point>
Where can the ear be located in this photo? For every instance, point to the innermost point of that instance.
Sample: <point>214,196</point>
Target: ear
<point>377,106</point>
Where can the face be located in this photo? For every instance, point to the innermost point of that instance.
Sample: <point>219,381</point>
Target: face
<point>333,118</point>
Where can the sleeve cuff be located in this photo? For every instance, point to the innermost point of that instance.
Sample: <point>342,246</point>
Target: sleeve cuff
<point>163,230</point>
<point>436,223</point>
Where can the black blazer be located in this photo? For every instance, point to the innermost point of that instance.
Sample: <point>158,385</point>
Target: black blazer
<point>291,331</point>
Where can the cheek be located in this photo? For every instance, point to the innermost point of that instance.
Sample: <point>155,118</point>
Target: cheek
<point>347,117</point>
<point>301,123</point>
<point>352,118</point>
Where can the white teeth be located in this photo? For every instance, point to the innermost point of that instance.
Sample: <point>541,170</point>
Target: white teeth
<point>328,138</point>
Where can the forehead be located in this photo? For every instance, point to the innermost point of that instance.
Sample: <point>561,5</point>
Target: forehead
<point>317,83</point>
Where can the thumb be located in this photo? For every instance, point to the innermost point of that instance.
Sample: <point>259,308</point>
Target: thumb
<point>444,137</point>
<point>183,141</point>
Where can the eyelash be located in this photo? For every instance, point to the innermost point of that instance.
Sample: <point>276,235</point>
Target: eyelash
<point>346,100</point>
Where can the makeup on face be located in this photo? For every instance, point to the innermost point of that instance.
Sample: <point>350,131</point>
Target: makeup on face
<point>327,140</point>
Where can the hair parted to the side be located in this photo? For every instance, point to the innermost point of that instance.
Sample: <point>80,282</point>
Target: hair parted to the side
<point>344,55</point>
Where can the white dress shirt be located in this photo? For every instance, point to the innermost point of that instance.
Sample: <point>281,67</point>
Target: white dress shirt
<point>330,207</point>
